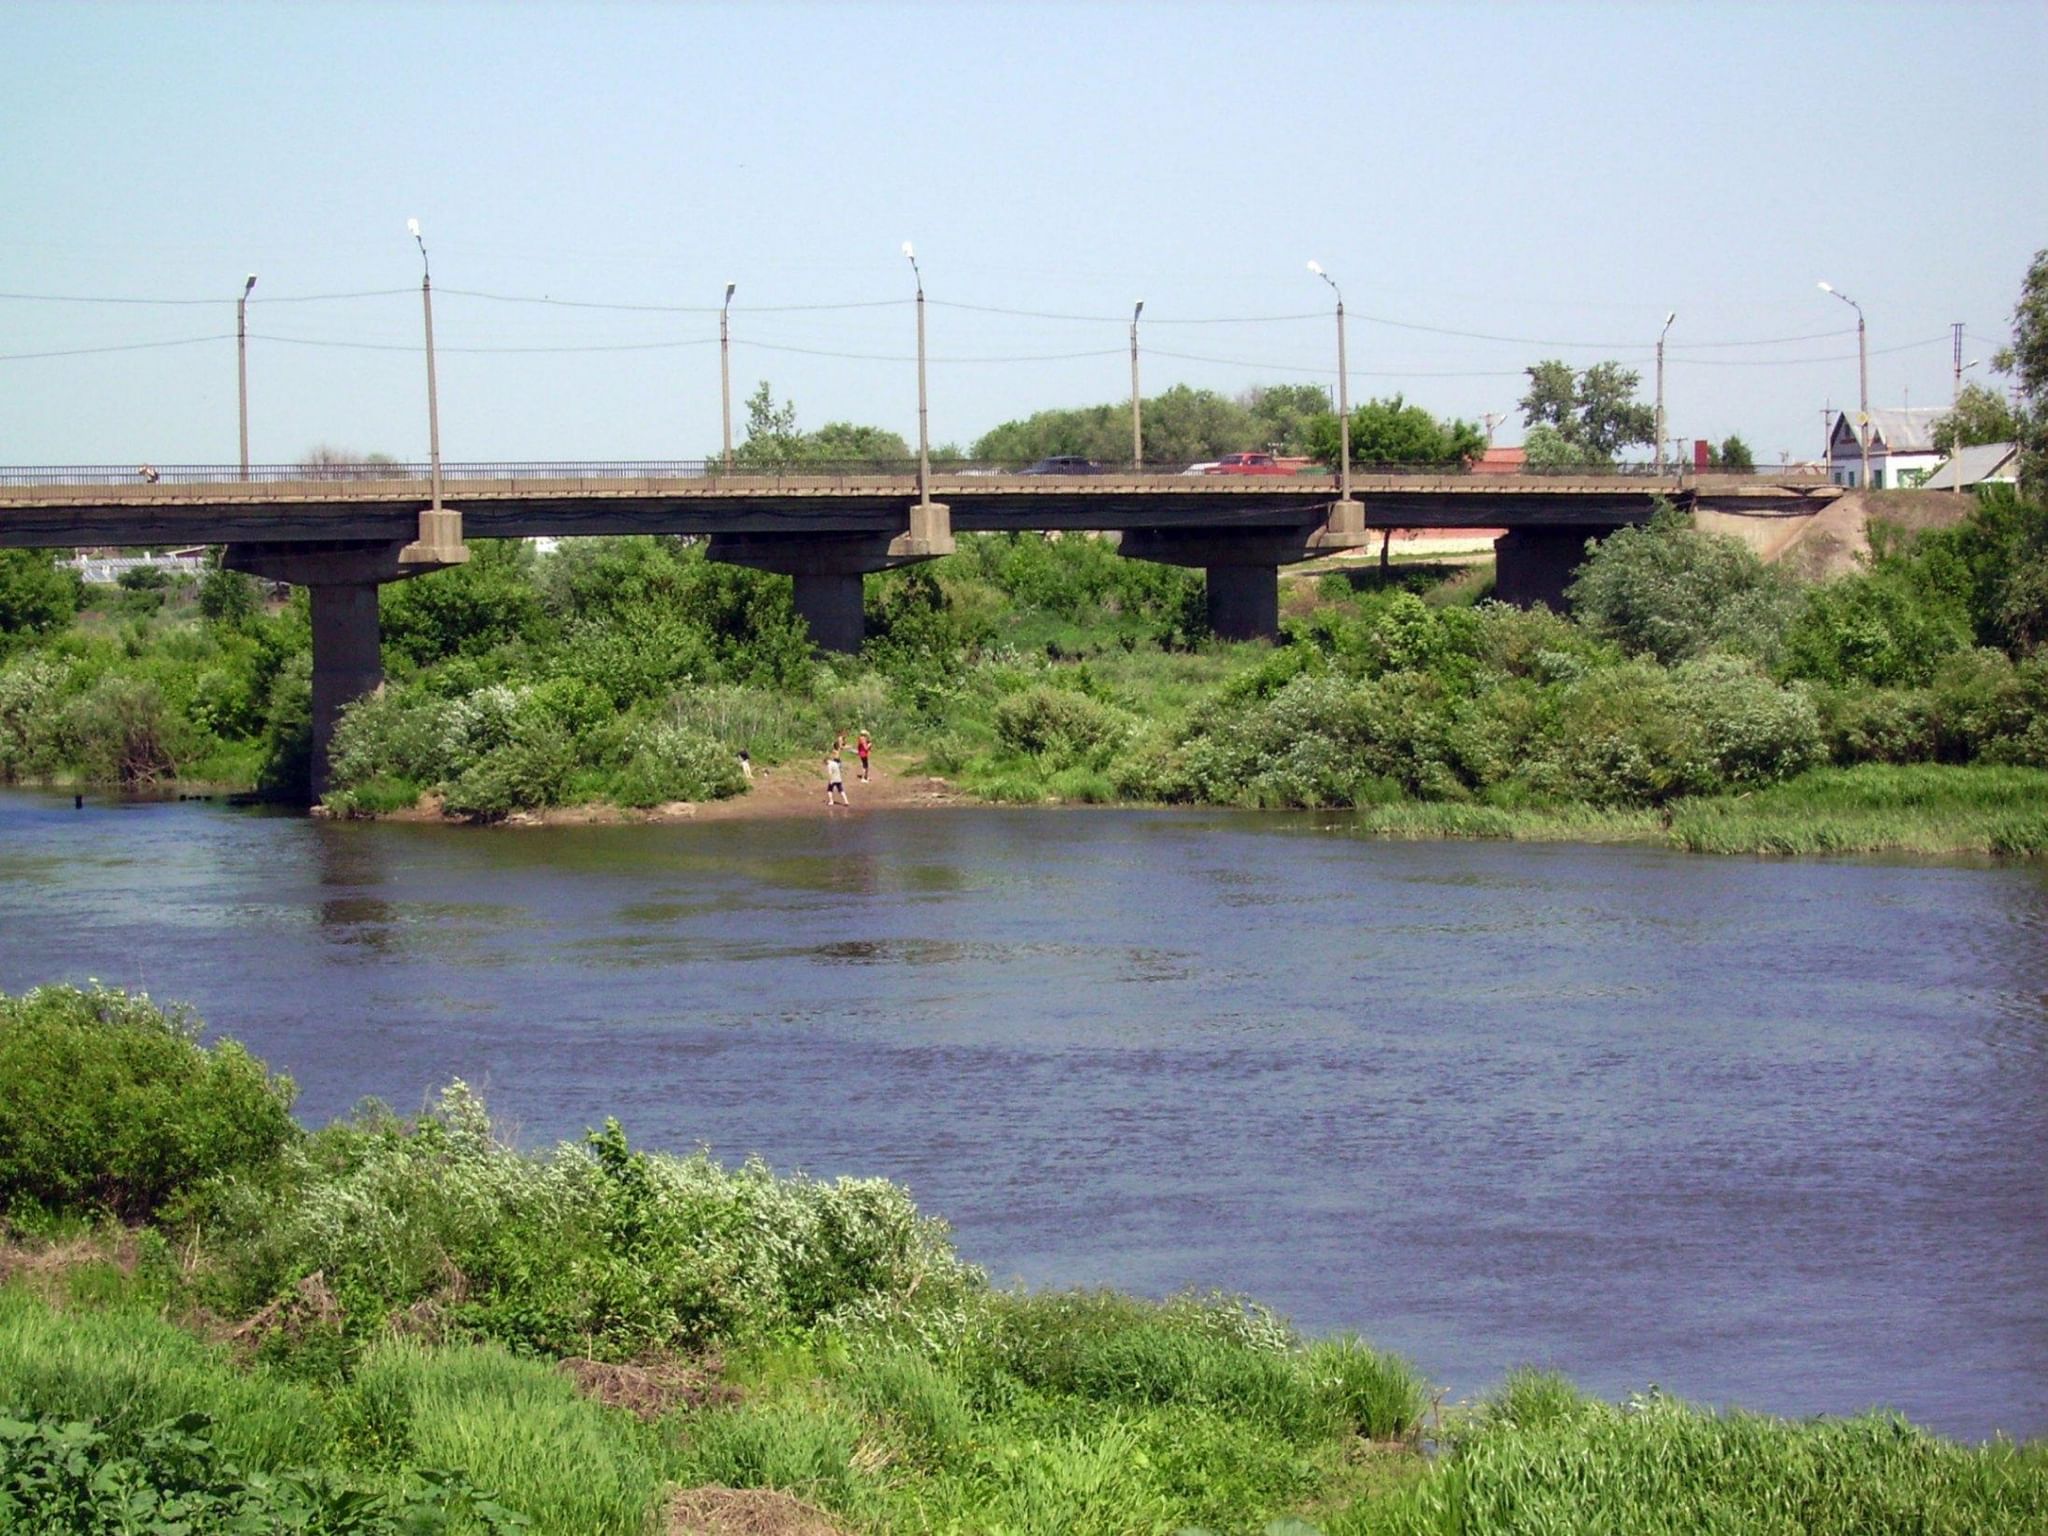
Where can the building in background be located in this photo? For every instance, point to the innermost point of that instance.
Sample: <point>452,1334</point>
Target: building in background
<point>1980,464</point>
<point>1902,452</point>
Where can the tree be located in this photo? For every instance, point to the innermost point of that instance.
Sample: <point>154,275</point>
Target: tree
<point>1180,426</point>
<point>1979,415</point>
<point>1732,454</point>
<point>844,442</point>
<point>1547,448</point>
<point>1395,432</point>
<point>2027,360</point>
<point>36,595</point>
<point>774,441</point>
<point>1285,414</point>
<point>324,461</point>
<point>1595,411</point>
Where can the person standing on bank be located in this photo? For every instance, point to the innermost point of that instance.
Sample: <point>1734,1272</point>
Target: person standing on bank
<point>835,781</point>
<point>864,744</point>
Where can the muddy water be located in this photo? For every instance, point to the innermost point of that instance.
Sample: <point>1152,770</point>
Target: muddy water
<point>1765,1133</point>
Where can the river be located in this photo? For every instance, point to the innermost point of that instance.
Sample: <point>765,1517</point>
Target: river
<point>1764,1133</point>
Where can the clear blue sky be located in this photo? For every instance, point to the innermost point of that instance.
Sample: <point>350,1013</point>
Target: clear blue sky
<point>1550,174</point>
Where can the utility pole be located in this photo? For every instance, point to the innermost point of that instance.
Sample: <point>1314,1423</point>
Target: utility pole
<point>725,370</point>
<point>242,366</point>
<point>1137,435</point>
<point>1673,315</point>
<point>1343,392</point>
<point>1862,381</point>
<point>924,450</point>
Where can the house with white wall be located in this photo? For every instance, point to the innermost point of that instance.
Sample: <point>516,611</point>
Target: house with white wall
<point>1902,452</point>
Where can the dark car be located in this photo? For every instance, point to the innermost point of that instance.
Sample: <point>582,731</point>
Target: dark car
<point>1064,464</point>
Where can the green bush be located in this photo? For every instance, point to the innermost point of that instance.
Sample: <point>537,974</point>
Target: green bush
<point>37,596</point>
<point>1672,591</point>
<point>669,761</point>
<point>35,734</point>
<point>595,1249</point>
<point>1060,726</point>
<point>111,1105</point>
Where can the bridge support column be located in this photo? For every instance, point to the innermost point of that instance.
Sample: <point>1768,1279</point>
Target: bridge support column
<point>830,602</point>
<point>826,568</point>
<point>342,582</point>
<point>1244,601</point>
<point>348,661</point>
<point>1535,565</point>
<point>1242,567</point>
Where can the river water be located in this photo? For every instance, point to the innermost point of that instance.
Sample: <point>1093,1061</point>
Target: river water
<point>1765,1133</point>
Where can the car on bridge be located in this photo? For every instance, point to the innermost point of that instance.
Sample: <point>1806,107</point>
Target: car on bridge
<point>1249,464</point>
<point>1065,464</point>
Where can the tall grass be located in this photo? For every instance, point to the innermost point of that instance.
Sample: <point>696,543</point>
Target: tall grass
<point>1550,1461</point>
<point>1922,808</point>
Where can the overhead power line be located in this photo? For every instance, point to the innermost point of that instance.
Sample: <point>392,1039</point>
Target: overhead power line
<point>268,298</point>
<point>126,346</point>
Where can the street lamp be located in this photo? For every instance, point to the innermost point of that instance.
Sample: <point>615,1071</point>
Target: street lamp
<point>1673,315</point>
<point>924,443</point>
<point>1343,392</point>
<point>1862,379</point>
<point>1137,436</point>
<point>725,370</point>
<point>242,366</point>
<point>433,403</point>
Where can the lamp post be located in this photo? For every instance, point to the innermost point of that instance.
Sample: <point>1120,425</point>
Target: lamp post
<point>725,370</point>
<point>1862,379</point>
<point>1137,434</point>
<point>1673,315</point>
<point>1343,392</point>
<point>242,367</point>
<point>433,403</point>
<point>924,445</point>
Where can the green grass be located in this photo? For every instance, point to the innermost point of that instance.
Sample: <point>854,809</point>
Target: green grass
<point>1542,1459</point>
<point>1876,808</point>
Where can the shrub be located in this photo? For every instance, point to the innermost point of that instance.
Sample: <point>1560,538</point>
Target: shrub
<point>1672,591</point>
<point>1752,731</point>
<point>37,596</point>
<point>124,732</point>
<point>109,1104</point>
<point>669,761</point>
<point>1862,724</point>
<point>1619,737</point>
<point>1061,726</point>
<point>1883,626</point>
<point>35,738</point>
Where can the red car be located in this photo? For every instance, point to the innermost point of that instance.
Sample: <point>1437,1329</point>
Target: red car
<point>1249,464</point>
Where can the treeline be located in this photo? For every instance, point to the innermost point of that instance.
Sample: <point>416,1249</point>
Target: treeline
<point>211,1319</point>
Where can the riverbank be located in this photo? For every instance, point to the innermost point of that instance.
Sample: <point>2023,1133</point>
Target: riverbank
<point>412,1323</point>
<point>1929,810</point>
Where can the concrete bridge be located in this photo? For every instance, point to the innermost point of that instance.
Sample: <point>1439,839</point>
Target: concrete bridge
<point>342,534</point>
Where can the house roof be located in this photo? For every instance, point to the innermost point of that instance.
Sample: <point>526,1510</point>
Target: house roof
<point>1973,466</point>
<point>1908,429</point>
<point>1501,461</point>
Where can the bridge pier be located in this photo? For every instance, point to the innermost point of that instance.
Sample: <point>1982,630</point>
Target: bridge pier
<point>1533,566</point>
<point>1241,567</point>
<point>342,581</point>
<point>826,568</point>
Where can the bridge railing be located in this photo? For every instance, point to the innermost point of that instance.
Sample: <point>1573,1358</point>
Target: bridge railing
<point>692,469</point>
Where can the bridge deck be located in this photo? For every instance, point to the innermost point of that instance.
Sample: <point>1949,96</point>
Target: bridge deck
<point>274,511</point>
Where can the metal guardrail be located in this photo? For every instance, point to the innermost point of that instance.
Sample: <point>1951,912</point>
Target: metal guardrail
<point>694,469</point>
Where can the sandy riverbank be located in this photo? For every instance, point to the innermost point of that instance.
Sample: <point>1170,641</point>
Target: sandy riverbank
<point>787,790</point>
